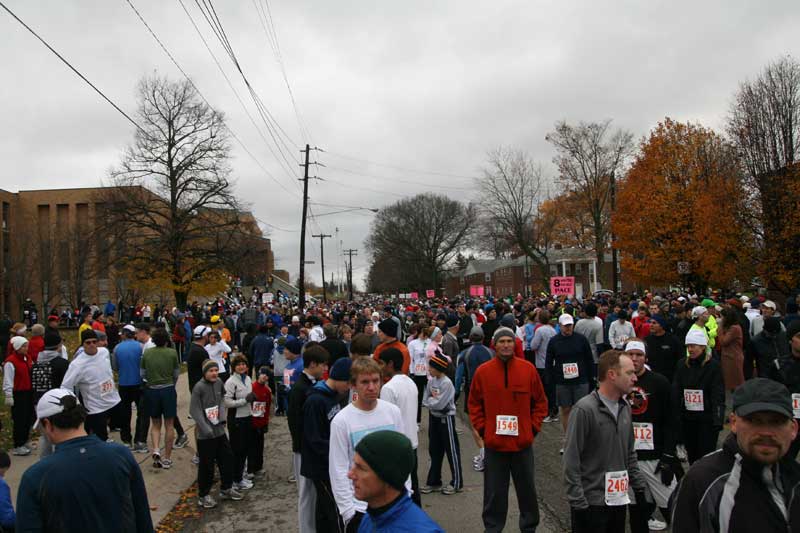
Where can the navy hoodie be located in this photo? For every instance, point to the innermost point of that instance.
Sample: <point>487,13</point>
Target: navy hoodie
<point>322,404</point>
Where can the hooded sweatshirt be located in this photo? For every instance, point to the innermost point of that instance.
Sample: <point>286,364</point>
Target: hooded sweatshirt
<point>91,375</point>
<point>208,409</point>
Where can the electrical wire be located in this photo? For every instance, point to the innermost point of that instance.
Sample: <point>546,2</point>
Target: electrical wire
<point>199,92</point>
<point>409,182</point>
<point>404,169</point>
<point>75,70</point>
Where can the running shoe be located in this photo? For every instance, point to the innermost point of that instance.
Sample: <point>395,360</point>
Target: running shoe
<point>248,476</point>
<point>291,478</point>
<point>140,447</point>
<point>181,441</point>
<point>547,419</point>
<point>656,525</point>
<point>427,489</point>
<point>21,450</point>
<point>207,502</point>
<point>450,489</point>
<point>196,459</point>
<point>157,461</point>
<point>244,484</point>
<point>231,494</point>
<point>554,418</point>
<point>166,463</point>
<point>478,466</point>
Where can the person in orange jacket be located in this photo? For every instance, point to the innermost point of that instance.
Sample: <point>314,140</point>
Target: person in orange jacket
<point>507,405</point>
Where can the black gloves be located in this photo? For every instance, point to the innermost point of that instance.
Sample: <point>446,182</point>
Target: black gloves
<point>666,468</point>
<point>250,398</point>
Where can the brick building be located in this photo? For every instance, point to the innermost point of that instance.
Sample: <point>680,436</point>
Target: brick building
<point>503,277</point>
<point>44,252</point>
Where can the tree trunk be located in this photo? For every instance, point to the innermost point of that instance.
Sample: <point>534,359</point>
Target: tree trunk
<point>181,298</point>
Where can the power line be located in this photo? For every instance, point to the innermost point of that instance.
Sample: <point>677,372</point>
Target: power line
<point>75,70</point>
<point>199,92</point>
<point>405,169</point>
<point>409,182</point>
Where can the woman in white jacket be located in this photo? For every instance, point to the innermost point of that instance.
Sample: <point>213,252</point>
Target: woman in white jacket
<point>218,351</point>
<point>417,349</point>
<point>238,399</point>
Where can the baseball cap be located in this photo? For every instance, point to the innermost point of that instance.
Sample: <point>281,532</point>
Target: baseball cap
<point>129,327</point>
<point>698,311</point>
<point>762,394</point>
<point>201,331</point>
<point>565,320</point>
<point>52,403</point>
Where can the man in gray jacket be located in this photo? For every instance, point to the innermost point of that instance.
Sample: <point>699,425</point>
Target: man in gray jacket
<point>599,456</point>
<point>209,413</point>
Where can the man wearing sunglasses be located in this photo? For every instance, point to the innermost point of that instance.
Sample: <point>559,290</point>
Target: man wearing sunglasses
<point>90,374</point>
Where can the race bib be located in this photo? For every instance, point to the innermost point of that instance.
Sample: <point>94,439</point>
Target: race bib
<point>287,377</point>
<point>643,436</point>
<point>106,387</point>
<point>617,488</point>
<point>212,414</point>
<point>507,425</point>
<point>420,369</point>
<point>570,370</point>
<point>434,392</point>
<point>257,409</point>
<point>693,399</point>
<point>796,404</point>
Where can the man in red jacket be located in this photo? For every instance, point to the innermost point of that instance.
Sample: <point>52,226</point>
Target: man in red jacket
<point>506,406</point>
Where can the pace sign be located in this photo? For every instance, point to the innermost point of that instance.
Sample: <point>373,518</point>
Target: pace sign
<point>562,286</point>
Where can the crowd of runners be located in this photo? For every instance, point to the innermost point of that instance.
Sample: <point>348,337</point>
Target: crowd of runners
<point>642,388</point>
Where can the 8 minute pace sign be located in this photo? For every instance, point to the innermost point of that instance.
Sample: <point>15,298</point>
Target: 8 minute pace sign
<point>562,286</point>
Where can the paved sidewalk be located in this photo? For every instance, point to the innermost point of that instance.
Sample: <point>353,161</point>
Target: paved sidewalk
<point>163,486</point>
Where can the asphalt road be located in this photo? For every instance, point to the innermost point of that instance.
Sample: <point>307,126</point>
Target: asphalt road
<point>271,506</point>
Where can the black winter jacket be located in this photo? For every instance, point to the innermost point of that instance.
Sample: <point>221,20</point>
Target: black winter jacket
<point>692,374</point>
<point>725,492</point>
<point>322,404</point>
<point>297,398</point>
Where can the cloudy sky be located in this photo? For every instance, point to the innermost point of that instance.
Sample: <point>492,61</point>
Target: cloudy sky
<point>403,96</point>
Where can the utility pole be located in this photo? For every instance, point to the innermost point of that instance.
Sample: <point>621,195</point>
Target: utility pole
<point>301,283</point>
<point>321,238</point>
<point>350,252</point>
<point>614,273</point>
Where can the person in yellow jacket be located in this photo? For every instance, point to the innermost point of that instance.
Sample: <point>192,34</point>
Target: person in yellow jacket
<point>711,323</point>
<point>218,325</point>
<point>701,318</point>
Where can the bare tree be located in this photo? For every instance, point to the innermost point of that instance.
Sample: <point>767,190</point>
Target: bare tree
<point>171,196</point>
<point>764,123</point>
<point>419,237</point>
<point>588,156</point>
<point>511,190</point>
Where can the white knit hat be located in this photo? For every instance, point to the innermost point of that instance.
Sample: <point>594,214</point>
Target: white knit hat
<point>18,342</point>
<point>695,336</point>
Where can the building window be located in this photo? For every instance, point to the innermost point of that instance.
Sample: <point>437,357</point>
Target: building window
<point>578,268</point>
<point>554,270</point>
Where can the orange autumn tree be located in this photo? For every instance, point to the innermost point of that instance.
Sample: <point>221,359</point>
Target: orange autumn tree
<point>682,200</point>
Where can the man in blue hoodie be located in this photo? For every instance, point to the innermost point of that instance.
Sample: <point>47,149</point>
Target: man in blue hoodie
<point>126,361</point>
<point>323,403</point>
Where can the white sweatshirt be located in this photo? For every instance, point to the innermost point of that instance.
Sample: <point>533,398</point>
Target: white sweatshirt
<point>92,376</point>
<point>348,427</point>
<point>619,333</point>
<point>215,352</point>
<point>402,392</point>
<point>419,359</point>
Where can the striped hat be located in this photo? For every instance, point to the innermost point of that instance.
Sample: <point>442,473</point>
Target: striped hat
<point>439,362</point>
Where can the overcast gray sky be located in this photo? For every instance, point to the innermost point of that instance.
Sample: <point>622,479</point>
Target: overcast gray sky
<point>419,85</point>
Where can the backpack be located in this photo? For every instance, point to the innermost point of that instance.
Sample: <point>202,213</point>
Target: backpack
<point>41,379</point>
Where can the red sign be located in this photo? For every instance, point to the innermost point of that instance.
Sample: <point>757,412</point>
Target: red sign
<point>476,290</point>
<point>414,295</point>
<point>430,293</point>
<point>562,286</point>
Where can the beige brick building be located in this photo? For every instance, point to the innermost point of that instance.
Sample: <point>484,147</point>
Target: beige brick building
<point>45,254</point>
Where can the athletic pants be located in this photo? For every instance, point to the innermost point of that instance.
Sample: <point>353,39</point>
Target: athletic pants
<point>327,514</point>
<point>22,415</point>
<point>442,439</point>
<point>499,466</point>
<point>699,438</point>
<point>132,394</point>
<point>421,382</point>
<point>599,519</point>
<point>242,441</point>
<point>306,498</point>
<point>97,424</point>
<point>214,451</point>
<point>416,497</point>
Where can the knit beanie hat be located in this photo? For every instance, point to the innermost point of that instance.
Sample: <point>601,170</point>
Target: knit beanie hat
<point>502,332</point>
<point>88,334</point>
<point>51,340</point>
<point>340,371</point>
<point>388,327</point>
<point>37,330</point>
<point>695,336</point>
<point>208,364</point>
<point>439,363</point>
<point>389,454</point>
<point>793,329</point>
<point>508,321</point>
<point>295,346</point>
<point>772,325</point>
<point>18,342</point>
<point>476,334</point>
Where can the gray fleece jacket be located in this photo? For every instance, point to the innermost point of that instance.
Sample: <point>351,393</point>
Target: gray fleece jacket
<point>207,395</point>
<point>598,443</point>
<point>439,397</point>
